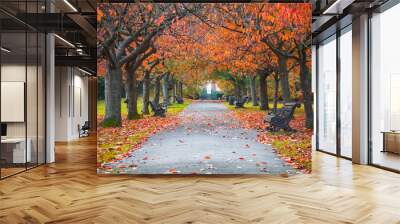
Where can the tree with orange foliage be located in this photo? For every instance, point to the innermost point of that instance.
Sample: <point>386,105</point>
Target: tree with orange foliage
<point>286,30</point>
<point>187,43</point>
<point>125,41</point>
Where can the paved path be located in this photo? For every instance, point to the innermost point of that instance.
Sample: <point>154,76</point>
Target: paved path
<point>207,142</point>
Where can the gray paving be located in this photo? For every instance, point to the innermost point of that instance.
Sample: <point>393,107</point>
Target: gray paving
<point>208,141</point>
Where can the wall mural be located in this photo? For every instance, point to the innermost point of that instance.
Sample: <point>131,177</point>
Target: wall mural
<point>189,88</point>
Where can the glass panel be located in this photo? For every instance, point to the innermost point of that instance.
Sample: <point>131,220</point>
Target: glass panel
<point>327,96</point>
<point>346,94</point>
<point>41,99</point>
<point>23,85</point>
<point>385,84</point>
<point>32,86</point>
<point>31,97</point>
<point>13,86</point>
<point>17,9</point>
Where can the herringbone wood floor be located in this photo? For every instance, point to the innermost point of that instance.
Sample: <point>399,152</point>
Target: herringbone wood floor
<point>69,191</point>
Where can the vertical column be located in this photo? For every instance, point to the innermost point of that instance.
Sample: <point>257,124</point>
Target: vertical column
<point>50,92</point>
<point>360,90</point>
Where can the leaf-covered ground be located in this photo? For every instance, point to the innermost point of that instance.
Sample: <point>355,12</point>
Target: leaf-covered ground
<point>207,140</point>
<point>116,143</point>
<point>294,148</point>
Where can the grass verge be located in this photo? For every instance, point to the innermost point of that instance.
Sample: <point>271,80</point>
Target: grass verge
<point>115,143</point>
<point>293,147</point>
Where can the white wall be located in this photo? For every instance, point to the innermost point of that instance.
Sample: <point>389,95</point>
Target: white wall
<point>81,104</point>
<point>71,102</point>
<point>62,81</point>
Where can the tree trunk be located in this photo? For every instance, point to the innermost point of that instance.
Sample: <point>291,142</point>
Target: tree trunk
<point>181,89</point>
<point>248,91</point>
<point>276,91</point>
<point>253,91</point>
<point>175,91</point>
<point>131,95</point>
<point>146,93</point>
<point>264,105</point>
<point>157,89</point>
<point>284,77</point>
<point>238,91</point>
<point>165,85</point>
<point>112,92</point>
<point>305,81</point>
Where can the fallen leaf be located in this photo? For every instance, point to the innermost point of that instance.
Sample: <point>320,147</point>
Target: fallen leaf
<point>284,175</point>
<point>173,170</point>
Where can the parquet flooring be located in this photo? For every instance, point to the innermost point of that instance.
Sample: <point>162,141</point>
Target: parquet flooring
<point>69,191</point>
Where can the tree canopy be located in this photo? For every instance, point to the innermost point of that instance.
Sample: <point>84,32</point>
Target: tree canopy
<point>194,43</point>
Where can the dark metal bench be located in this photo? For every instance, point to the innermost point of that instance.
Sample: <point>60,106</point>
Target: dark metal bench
<point>179,99</point>
<point>158,110</point>
<point>281,118</point>
<point>240,103</point>
<point>84,130</point>
<point>231,100</point>
<point>226,98</point>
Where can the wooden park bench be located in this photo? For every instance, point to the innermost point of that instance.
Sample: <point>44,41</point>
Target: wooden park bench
<point>158,110</point>
<point>281,118</point>
<point>179,99</point>
<point>240,103</point>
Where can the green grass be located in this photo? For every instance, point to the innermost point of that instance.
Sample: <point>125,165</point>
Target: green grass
<point>101,108</point>
<point>172,109</point>
<point>249,106</point>
<point>176,108</point>
<point>109,151</point>
<point>297,150</point>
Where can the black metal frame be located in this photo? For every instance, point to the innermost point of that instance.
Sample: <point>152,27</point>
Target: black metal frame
<point>44,80</point>
<point>338,98</point>
<point>369,115</point>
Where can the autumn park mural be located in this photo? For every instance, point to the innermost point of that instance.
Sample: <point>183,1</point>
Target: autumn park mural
<point>218,88</point>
